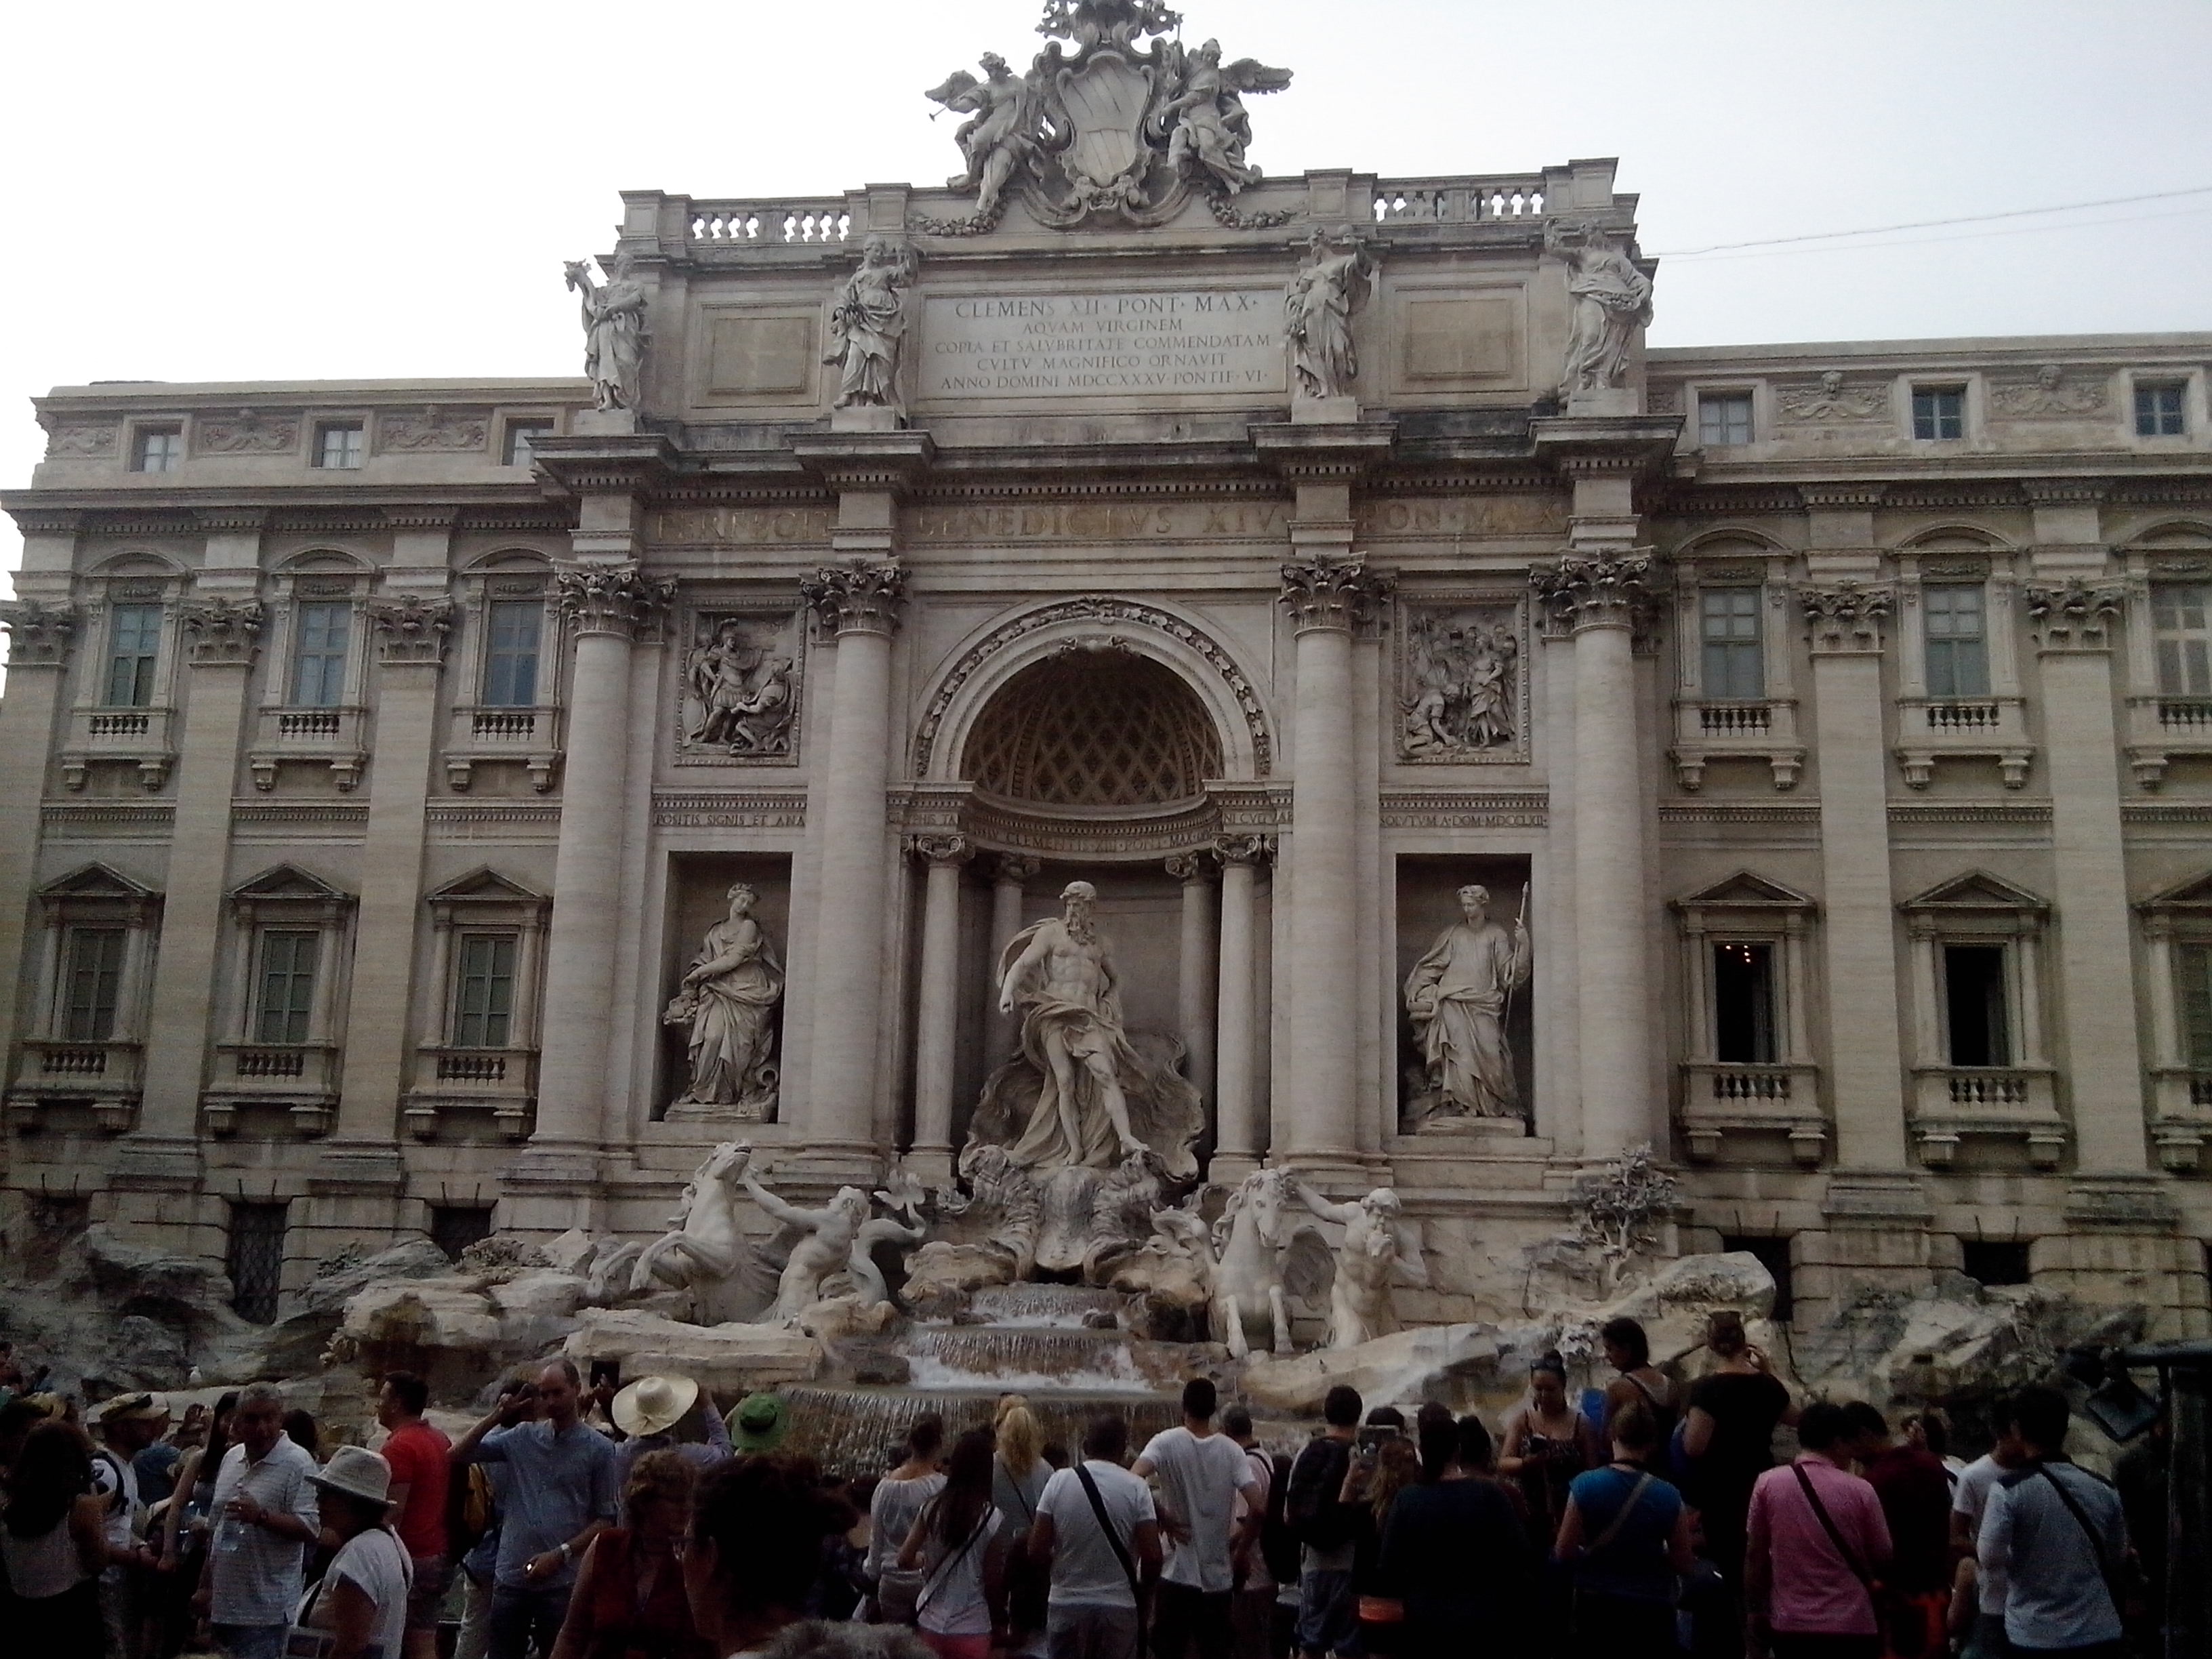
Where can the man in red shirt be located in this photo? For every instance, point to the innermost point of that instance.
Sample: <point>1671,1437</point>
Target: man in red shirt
<point>1815,1539</point>
<point>1915,1489</point>
<point>418,1454</point>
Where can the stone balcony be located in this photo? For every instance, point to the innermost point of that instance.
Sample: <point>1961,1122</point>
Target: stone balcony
<point>1929,729</point>
<point>143,738</point>
<point>529,738</point>
<point>2007,1102</point>
<point>337,738</point>
<point>301,1077</point>
<point>103,1076</point>
<point>2181,1115</point>
<point>451,1080</point>
<point>2160,728</point>
<point>1720,1098</point>
<point>1762,729</point>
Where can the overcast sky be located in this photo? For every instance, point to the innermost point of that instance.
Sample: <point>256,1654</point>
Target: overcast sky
<point>229,191</point>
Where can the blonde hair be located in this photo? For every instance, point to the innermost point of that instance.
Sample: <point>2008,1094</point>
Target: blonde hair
<point>1021,1442</point>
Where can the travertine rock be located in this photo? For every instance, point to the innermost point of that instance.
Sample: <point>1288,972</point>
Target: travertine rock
<point>729,1359</point>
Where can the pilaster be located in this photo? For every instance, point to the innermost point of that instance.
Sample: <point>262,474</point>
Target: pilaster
<point>39,634</point>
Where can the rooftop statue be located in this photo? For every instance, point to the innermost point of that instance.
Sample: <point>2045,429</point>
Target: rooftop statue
<point>867,325</point>
<point>1611,300</point>
<point>614,332</point>
<point>1329,287</point>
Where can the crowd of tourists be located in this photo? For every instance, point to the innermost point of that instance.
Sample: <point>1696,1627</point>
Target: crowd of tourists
<point>579,1521</point>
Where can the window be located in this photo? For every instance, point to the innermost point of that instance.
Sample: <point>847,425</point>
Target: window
<point>1939,411</point>
<point>1994,1262</point>
<point>454,1227</point>
<point>1957,640</point>
<point>255,1260</point>
<point>319,664</point>
<point>94,985</point>
<point>1773,1254</point>
<point>288,985</point>
<point>1974,999</point>
<point>162,448</point>
<point>1724,418</point>
<point>483,1004</point>
<point>1743,1004</point>
<point>134,645</point>
<point>520,435</point>
<point>2179,612</point>
<point>2192,967</point>
<point>511,653</point>
<point>338,444</point>
<point>2158,412</point>
<point>1734,665</point>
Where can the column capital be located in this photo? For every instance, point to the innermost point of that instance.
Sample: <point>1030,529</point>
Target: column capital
<point>610,598</point>
<point>940,849</point>
<point>1195,866</point>
<point>1244,849</point>
<point>2075,616</point>
<point>225,633</point>
<point>1333,593</point>
<point>1580,590</point>
<point>39,634</point>
<point>411,627</point>
<point>1845,618</point>
<point>856,597</point>
<point>1015,869</point>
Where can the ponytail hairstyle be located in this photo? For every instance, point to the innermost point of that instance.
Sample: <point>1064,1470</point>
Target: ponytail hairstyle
<point>1724,1334</point>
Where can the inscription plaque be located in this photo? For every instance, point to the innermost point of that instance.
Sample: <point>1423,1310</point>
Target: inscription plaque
<point>1175,343</point>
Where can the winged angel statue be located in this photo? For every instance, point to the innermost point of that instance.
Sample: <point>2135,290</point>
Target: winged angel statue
<point>1130,123</point>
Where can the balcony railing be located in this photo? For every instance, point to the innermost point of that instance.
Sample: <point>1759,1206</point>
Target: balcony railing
<point>2185,713</point>
<point>135,736</point>
<point>453,1084</point>
<point>1721,1098</point>
<point>480,733</point>
<point>335,737</point>
<point>1963,716</point>
<point>2001,1103</point>
<point>1929,729</point>
<point>1752,729</point>
<point>1459,201</point>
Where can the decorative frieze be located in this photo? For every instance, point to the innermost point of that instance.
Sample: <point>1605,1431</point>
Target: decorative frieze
<point>2046,397</point>
<point>1829,401</point>
<point>856,597</point>
<point>82,442</point>
<point>39,634</point>
<point>457,431</point>
<point>734,809</point>
<point>224,632</point>
<point>246,433</point>
<point>1434,809</point>
<point>1846,616</point>
<point>411,629</point>
<point>610,599</point>
<point>1339,594</point>
<point>2074,616</point>
<point>1601,590</point>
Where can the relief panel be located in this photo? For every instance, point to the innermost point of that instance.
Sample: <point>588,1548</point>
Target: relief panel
<point>737,699</point>
<point>1462,686</point>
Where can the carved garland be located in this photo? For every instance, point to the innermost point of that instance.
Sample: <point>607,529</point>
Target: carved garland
<point>1097,607</point>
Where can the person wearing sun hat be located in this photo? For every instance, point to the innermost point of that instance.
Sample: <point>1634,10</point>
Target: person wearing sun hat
<point>652,1412</point>
<point>759,1423</point>
<point>361,1602</point>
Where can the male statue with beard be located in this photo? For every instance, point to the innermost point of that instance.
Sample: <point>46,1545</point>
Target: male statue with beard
<point>1058,972</point>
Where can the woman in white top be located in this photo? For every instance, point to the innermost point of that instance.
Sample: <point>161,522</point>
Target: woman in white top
<point>54,1542</point>
<point>362,1598</point>
<point>901,1495</point>
<point>954,1544</point>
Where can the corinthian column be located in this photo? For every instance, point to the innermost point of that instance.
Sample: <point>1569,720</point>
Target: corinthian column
<point>937,1018</point>
<point>604,606</point>
<point>1327,599</point>
<point>1599,598</point>
<point>1194,987</point>
<point>858,603</point>
<point>1009,876</point>
<point>1236,1145</point>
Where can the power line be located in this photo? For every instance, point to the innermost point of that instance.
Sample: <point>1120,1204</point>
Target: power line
<point>1932,224</point>
<point>1968,236</point>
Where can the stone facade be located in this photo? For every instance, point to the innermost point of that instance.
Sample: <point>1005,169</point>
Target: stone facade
<point>1835,717</point>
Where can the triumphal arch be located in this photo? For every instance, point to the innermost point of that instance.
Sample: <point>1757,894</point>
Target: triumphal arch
<point>1124,651</point>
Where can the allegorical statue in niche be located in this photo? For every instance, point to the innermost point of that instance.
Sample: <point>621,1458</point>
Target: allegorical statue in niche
<point>1081,1093</point>
<point>1461,675</point>
<point>614,332</point>
<point>1611,300</point>
<point>1206,121</point>
<point>1378,1249</point>
<point>867,324</point>
<point>728,999</point>
<point>1457,996</point>
<point>1329,289</point>
<point>744,694</point>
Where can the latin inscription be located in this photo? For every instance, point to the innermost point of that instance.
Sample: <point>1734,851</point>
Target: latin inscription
<point>799,524</point>
<point>1205,341</point>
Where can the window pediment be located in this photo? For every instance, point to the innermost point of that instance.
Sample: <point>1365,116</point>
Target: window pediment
<point>1977,890</point>
<point>288,882</point>
<point>96,881</point>
<point>1744,888</point>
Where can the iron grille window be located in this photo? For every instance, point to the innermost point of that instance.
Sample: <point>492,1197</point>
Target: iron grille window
<point>1734,665</point>
<point>339,444</point>
<point>1743,1004</point>
<point>288,985</point>
<point>1956,635</point>
<point>318,663</point>
<point>1724,418</point>
<point>2193,962</point>
<point>134,646</point>
<point>520,434</point>
<point>511,653</point>
<point>1994,1262</point>
<point>483,1008</point>
<point>94,984</point>
<point>256,1260</point>
<point>1773,1254</point>
<point>1974,999</point>
<point>158,449</point>
<point>2179,616</point>
<point>1938,412</point>
<point>2158,412</point>
<point>454,1227</point>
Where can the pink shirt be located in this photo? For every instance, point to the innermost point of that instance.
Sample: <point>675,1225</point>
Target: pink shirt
<point>1813,1590</point>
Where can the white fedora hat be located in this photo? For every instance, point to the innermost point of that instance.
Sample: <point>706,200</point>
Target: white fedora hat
<point>653,1403</point>
<point>358,1473</point>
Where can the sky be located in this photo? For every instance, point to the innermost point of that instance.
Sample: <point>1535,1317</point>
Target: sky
<point>235,191</point>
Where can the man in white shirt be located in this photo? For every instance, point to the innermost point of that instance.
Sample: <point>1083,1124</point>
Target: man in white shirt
<point>1969,1501</point>
<point>264,1512</point>
<point>1091,1612</point>
<point>1201,1472</point>
<point>2059,1534</point>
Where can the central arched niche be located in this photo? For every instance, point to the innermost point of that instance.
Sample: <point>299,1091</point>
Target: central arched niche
<point>1089,728</point>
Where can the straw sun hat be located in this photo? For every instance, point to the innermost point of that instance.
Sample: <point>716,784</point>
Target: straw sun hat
<point>358,1473</point>
<point>653,1403</point>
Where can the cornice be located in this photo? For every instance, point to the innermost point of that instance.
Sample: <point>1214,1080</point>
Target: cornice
<point>865,461</point>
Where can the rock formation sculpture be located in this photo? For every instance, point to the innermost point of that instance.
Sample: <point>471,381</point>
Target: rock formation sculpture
<point>614,332</point>
<point>727,998</point>
<point>1457,996</point>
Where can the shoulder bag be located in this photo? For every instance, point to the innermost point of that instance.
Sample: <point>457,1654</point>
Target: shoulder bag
<point>1106,1526</point>
<point>2116,1579</point>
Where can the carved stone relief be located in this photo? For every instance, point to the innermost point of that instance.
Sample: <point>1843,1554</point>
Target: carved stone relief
<point>458,431</point>
<point>1463,681</point>
<point>2046,397</point>
<point>81,440</point>
<point>737,702</point>
<point>1829,401</point>
<point>247,433</point>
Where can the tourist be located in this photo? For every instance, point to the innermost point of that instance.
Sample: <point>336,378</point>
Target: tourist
<point>1927,1431</point>
<point>759,1423</point>
<point>1626,1536</point>
<point>1728,1437</point>
<point>2057,1535</point>
<point>660,1414</point>
<point>1201,1472</point>
<point>483,1492</point>
<point>1456,1557</point>
<point>18,1417</point>
<point>1548,1442</point>
<point>1098,1532</point>
<point>1628,1351</point>
<point>630,1602</point>
<point>899,1497</point>
<point>561,1493</point>
<point>53,1543</point>
<point>264,1516</point>
<point>130,1423</point>
<point>419,1457</point>
<point>181,1543</point>
<point>301,1429</point>
<point>1329,1617</point>
<point>1018,1473</point>
<point>1252,1606</point>
<point>1970,1500</point>
<point>155,1463</point>
<point>362,1599</point>
<point>1384,1464</point>
<point>955,1544</point>
<point>1915,1490</point>
<point>1814,1541</point>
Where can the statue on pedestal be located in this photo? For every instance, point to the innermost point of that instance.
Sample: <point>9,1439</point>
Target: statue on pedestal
<point>1457,996</point>
<point>614,332</point>
<point>728,999</point>
<point>867,325</point>
<point>1377,1248</point>
<point>1328,290</point>
<point>1610,298</point>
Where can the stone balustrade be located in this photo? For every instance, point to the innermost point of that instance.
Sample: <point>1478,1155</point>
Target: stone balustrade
<point>820,220</point>
<point>1446,200</point>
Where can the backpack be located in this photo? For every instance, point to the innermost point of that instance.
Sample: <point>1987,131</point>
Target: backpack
<point>468,1511</point>
<point>1279,1544</point>
<point>1316,1518</point>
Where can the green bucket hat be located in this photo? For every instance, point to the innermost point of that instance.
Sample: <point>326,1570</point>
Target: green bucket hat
<point>758,1422</point>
